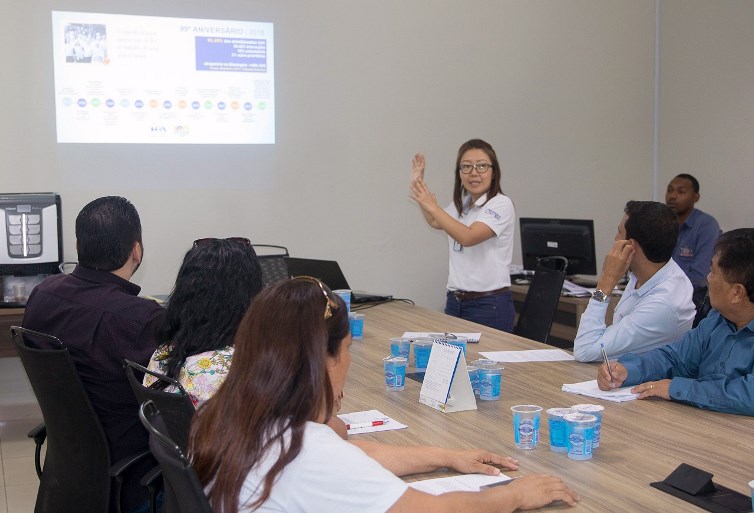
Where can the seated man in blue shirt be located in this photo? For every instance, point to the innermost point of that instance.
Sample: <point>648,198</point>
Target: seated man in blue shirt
<point>698,230</point>
<point>656,307</point>
<point>712,366</point>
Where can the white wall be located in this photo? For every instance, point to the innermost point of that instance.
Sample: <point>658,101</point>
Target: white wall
<point>707,103</point>
<point>562,89</point>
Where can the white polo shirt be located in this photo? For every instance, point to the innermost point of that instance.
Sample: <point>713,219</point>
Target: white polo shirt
<point>485,266</point>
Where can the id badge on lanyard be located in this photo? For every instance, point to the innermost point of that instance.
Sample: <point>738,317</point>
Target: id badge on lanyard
<point>457,246</point>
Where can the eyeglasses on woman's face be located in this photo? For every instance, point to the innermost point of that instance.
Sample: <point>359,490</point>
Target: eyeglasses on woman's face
<point>480,168</point>
<point>331,305</point>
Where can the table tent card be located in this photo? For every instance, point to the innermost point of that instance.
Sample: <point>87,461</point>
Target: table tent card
<point>446,386</point>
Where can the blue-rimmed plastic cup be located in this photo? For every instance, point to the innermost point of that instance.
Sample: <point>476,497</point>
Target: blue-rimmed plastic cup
<point>526,425</point>
<point>490,380</point>
<point>422,350</point>
<point>580,429</point>
<point>458,342</point>
<point>596,410</point>
<point>751,485</point>
<point>345,295</point>
<point>400,346</point>
<point>557,425</point>
<point>479,364</point>
<point>474,378</point>
<point>395,373</point>
<point>357,325</point>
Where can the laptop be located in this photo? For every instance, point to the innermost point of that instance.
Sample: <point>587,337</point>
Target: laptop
<point>331,275</point>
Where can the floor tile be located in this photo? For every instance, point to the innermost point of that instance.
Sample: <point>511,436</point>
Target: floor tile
<point>21,499</point>
<point>19,471</point>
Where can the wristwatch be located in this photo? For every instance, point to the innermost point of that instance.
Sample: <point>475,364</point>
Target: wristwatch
<point>600,296</point>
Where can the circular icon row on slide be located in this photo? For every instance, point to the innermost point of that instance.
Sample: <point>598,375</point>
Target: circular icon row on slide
<point>166,104</point>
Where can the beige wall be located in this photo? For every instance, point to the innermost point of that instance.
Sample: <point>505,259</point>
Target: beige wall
<point>562,89</point>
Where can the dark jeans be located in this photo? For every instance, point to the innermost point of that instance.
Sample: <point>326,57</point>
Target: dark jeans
<point>493,311</point>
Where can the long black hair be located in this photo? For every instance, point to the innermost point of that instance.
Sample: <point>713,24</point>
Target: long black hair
<point>213,289</point>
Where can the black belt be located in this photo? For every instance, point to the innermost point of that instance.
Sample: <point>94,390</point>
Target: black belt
<point>463,295</point>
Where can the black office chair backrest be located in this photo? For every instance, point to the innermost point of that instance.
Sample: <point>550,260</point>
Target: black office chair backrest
<point>184,493</point>
<point>76,473</point>
<point>272,261</point>
<point>176,407</point>
<point>703,306</point>
<point>541,303</point>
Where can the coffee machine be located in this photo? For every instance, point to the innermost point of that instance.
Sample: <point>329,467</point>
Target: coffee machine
<point>31,243</point>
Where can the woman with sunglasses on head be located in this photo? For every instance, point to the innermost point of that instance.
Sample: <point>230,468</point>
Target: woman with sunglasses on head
<point>260,444</point>
<point>214,287</point>
<point>480,225</point>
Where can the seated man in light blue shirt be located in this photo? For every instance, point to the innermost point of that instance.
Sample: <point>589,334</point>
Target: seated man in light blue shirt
<point>698,230</point>
<point>656,307</point>
<point>712,366</point>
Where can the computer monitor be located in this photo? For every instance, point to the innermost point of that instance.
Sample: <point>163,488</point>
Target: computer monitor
<point>569,238</point>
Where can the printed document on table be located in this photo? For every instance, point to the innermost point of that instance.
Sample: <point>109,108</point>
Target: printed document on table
<point>529,355</point>
<point>462,483</point>
<point>471,338</point>
<point>590,389</point>
<point>360,417</point>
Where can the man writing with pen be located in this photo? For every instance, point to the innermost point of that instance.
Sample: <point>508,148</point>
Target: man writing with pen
<point>711,366</point>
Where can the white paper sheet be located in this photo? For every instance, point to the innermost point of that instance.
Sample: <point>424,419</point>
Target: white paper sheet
<point>590,389</point>
<point>359,417</point>
<point>462,483</point>
<point>471,338</point>
<point>529,355</point>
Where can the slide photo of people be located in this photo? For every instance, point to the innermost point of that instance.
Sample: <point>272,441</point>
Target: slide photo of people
<point>85,43</point>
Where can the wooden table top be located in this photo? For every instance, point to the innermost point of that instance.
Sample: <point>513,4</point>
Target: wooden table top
<point>642,441</point>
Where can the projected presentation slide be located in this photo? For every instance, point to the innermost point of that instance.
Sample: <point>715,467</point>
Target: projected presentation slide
<point>141,79</point>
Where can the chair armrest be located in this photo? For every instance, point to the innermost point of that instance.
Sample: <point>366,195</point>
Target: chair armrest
<point>152,478</point>
<point>121,466</point>
<point>39,434</point>
<point>152,481</point>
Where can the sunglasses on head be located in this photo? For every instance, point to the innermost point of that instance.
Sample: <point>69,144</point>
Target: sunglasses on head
<point>331,305</point>
<point>238,240</point>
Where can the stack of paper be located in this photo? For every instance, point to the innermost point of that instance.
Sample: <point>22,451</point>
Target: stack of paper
<point>369,421</point>
<point>528,355</point>
<point>462,483</point>
<point>590,389</point>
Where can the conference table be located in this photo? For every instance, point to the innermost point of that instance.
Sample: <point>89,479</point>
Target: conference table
<point>642,441</point>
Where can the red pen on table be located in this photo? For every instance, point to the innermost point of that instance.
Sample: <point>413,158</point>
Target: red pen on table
<point>362,425</point>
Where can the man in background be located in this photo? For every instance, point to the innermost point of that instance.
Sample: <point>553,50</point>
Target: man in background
<point>712,366</point>
<point>656,306</point>
<point>698,230</point>
<point>96,313</point>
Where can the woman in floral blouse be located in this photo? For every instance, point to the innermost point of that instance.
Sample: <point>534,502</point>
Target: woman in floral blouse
<point>213,289</point>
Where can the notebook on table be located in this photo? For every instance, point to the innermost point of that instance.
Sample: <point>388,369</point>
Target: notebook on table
<point>331,275</point>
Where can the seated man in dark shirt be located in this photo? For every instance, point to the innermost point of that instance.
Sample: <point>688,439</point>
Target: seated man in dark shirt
<point>97,314</point>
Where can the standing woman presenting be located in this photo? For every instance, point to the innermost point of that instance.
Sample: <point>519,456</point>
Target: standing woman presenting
<point>480,224</point>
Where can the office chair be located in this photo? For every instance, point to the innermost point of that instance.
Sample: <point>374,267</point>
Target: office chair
<point>541,302</point>
<point>77,473</point>
<point>703,307</point>
<point>183,491</point>
<point>273,265</point>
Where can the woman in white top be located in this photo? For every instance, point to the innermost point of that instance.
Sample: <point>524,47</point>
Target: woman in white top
<point>480,224</point>
<point>261,443</point>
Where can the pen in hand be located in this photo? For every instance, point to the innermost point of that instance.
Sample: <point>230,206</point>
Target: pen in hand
<point>607,364</point>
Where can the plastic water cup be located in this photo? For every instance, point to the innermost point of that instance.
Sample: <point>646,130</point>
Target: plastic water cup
<point>395,373</point>
<point>490,379</point>
<point>357,325</point>
<point>596,410</point>
<point>400,346</point>
<point>526,425</point>
<point>458,342</point>
<point>580,428</point>
<point>557,425</point>
<point>345,295</point>
<point>751,485</point>
<point>474,378</point>
<point>422,350</point>
<point>478,365</point>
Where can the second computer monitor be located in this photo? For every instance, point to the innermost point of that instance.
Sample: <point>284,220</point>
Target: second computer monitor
<point>569,238</point>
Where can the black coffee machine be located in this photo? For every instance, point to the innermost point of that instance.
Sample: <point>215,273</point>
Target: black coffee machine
<point>31,243</point>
